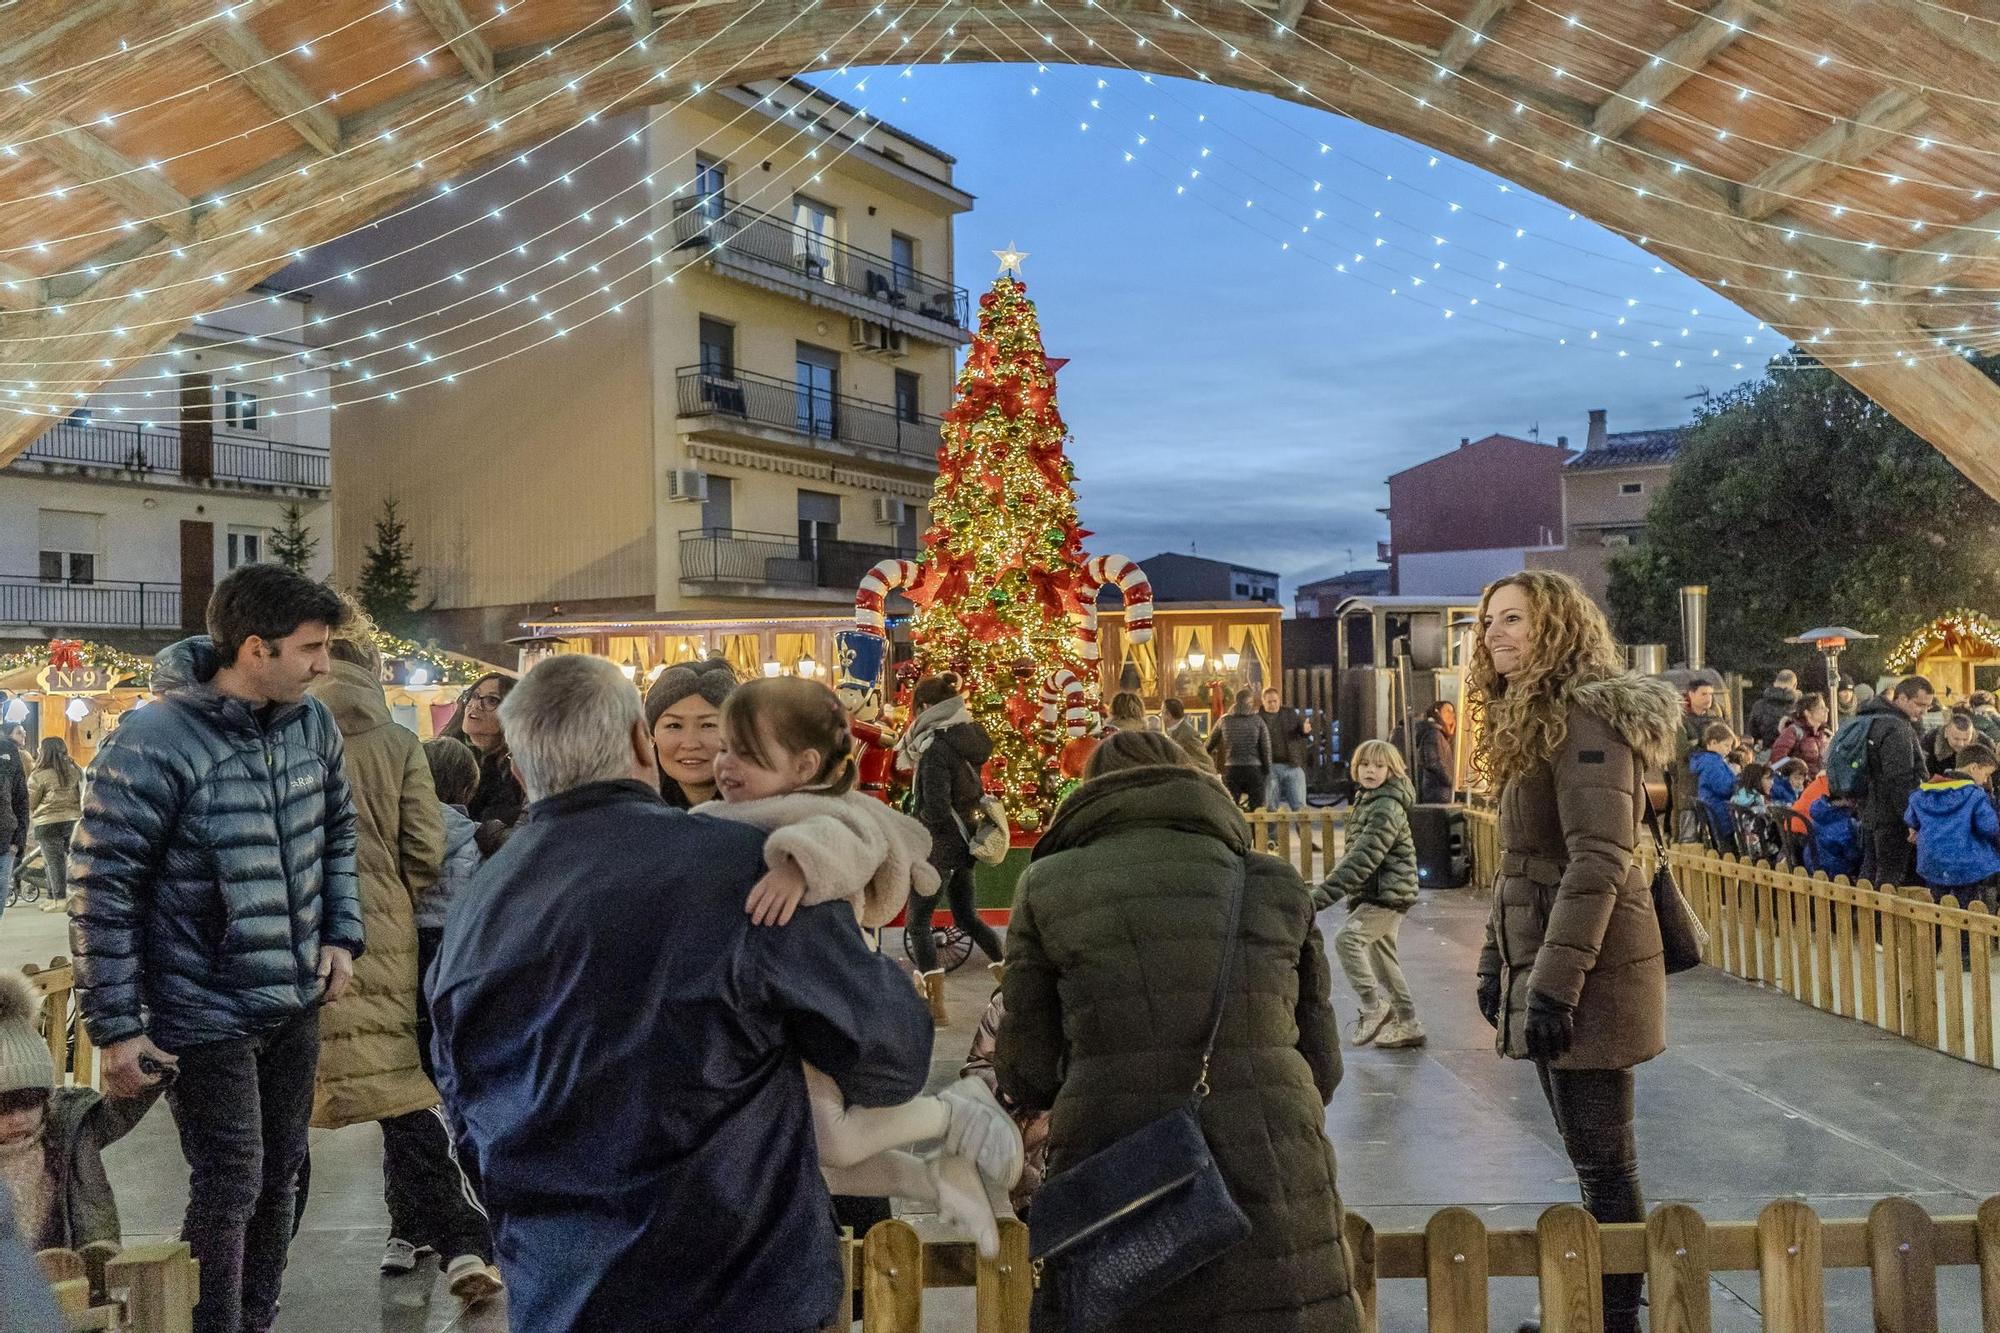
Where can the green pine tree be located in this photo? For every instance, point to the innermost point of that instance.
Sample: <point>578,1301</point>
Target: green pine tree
<point>293,545</point>
<point>388,584</point>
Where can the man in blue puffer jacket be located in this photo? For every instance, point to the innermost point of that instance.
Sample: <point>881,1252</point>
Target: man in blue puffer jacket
<point>214,906</point>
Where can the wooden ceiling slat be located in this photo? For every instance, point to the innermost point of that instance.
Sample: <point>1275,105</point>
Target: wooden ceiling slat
<point>1459,48</point>
<point>1966,246</point>
<point>1839,147</point>
<point>452,25</point>
<point>1288,14</point>
<point>1676,63</point>
<point>19,289</point>
<point>92,162</point>
<point>243,55</point>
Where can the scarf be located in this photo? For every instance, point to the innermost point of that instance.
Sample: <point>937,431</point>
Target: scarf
<point>944,713</point>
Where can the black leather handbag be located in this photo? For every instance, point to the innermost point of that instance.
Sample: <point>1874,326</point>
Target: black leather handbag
<point>1123,1224</point>
<point>1682,936</point>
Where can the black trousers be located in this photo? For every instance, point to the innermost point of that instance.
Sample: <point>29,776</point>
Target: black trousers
<point>959,892</point>
<point>1593,1111</point>
<point>1889,857</point>
<point>431,1201</point>
<point>1246,785</point>
<point>241,1107</point>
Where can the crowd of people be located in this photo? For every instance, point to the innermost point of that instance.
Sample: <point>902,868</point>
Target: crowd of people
<point>604,966</point>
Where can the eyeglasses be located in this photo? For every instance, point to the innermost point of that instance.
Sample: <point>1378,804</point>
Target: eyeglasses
<point>482,701</point>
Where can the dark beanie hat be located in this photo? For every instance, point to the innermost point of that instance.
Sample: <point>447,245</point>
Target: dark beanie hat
<point>712,679</point>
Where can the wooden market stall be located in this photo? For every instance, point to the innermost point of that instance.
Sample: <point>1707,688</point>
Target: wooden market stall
<point>791,645</point>
<point>72,689</point>
<point>1949,652</point>
<point>1201,653</point>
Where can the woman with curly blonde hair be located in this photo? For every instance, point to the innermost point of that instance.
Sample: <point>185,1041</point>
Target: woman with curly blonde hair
<point>1571,976</point>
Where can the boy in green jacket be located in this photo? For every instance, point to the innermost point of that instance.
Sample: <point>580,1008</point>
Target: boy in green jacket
<point>52,1139</point>
<point>1378,877</point>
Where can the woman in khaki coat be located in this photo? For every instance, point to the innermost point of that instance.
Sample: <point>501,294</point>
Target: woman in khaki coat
<point>1572,976</point>
<point>368,1064</point>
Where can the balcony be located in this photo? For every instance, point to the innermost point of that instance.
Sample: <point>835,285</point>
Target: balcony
<point>774,251</point>
<point>136,450</point>
<point>99,605</point>
<point>748,561</point>
<point>769,410</point>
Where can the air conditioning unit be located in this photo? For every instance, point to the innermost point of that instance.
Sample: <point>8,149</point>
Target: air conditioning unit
<point>685,483</point>
<point>865,335</point>
<point>891,511</point>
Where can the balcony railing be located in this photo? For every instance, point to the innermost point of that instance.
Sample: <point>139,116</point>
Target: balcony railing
<point>803,410</point>
<point>104,604</point>
<point>713,220</point>
<point>725,555</point>
<point>228,456</point>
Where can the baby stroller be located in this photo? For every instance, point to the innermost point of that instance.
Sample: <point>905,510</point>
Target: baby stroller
<point>31,879</point>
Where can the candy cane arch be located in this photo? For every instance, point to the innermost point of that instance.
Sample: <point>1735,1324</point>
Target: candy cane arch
<point>876,585</point>
<point>1132,583</point>
<point>1063,690</point>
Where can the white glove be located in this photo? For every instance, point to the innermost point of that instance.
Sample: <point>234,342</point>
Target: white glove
<point>962,1201</point>
<point>981,1131</point>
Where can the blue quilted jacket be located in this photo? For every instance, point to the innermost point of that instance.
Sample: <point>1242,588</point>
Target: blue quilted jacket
<point>214,857</point>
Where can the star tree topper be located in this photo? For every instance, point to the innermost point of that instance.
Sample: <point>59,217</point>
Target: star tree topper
<point>1010,259</point>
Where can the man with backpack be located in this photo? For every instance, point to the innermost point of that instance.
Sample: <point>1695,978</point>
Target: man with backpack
<point>1876,761</point>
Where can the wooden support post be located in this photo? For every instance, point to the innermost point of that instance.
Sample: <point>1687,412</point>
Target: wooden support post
<point>1902,1256</point>
<point>1788,1243</point>
<point>1456,1272</point>
<point>1359,1238</point>
<point>1677,1270</point>
<point>1005,1286</point>
<point>1570,1264</point>
<point>160,1287</point>
<point>1986,1248</point>
<point>892,1279</point>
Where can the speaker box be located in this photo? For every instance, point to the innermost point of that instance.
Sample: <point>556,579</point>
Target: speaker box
<point>1444,859</point>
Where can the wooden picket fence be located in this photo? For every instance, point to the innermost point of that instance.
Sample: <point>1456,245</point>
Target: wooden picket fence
<point>1311,839</point>
<point>138,1289</point>
<point>1887,956</point>
<point>1568,1252</point>
<point>70,1050</point>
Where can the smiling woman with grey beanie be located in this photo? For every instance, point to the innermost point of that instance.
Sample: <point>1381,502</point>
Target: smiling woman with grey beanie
<point>684,713</point>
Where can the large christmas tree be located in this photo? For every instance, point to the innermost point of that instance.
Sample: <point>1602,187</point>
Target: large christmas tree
<point>1003,558</point>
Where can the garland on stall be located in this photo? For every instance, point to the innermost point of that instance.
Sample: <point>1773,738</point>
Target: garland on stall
<point>75,652</point>
<point>1948,633</point>
<point>441,667</point>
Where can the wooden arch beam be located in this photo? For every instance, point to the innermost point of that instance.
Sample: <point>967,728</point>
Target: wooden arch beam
<point>1944,399</point>
<point>1675,63</point>
<point>276,87</point>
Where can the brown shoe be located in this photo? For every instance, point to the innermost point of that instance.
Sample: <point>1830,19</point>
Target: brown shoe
<point>934,992</point>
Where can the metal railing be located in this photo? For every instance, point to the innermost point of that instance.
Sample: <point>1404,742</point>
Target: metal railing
<point>727,555</point>
<point>104,604</point>
<point>132,447</point>
<point>788,405</point>
<point>715,220</point>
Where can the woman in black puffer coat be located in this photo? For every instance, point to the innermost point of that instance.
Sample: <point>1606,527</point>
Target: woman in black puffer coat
<point>945,749</point>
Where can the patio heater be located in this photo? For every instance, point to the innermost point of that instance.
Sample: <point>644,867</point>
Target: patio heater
<point>1648,659</point>
<point>1694,625</point>
<point>1830,639</point>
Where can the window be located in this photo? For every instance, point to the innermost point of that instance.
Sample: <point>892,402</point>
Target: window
<point>1631,488</point>
<point>902,258</point>
<point>819,522</point>
<point>819,387</point>
<point>907,385</point>
<point>718,511</point>
<point>711,181</point>
<point>70,543</point>
<point>815,223</point>
<point>909,530</point>
<point>246,546</point>
<point>718,348</point>
<point>239,408</point>
<point>1619,539</point>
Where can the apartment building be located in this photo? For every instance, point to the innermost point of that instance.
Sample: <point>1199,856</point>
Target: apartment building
<point>1467,517</point>
<point>117,521</point>
<point>1608,491</point>
<point>717,341</point>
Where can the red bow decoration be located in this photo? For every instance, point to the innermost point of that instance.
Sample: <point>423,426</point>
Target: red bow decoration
<point>66,654</point>
<point>1052,588</point>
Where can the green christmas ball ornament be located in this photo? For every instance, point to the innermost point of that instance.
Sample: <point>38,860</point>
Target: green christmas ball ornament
<point>992,699</point>
<point>1063,791</point>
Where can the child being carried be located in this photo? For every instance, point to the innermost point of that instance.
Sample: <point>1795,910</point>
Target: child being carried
<point>787,766</point>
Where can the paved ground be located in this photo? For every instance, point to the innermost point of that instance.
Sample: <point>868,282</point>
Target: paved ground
<point>1759,1097</point>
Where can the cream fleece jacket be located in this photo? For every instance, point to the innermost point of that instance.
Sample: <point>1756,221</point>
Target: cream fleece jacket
<point>850,847</point>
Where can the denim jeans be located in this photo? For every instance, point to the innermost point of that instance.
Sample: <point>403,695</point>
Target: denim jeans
<point>241,1107</point>
<point>1593,1111</point>
<point>54,839</point>
<point>7,863</point>
<point>1286,786</point>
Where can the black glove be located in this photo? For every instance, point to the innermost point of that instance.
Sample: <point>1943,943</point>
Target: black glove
<point>1489,1000</point>
<point>1551,1027</point>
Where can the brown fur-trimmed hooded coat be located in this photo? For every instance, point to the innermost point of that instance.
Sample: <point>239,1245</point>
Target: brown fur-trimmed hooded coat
<point>1572,910</point>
